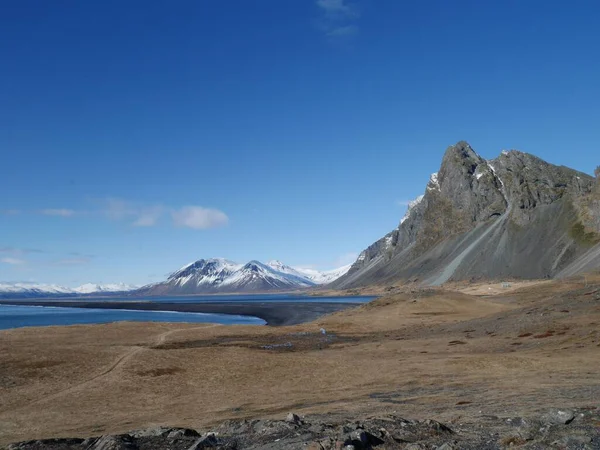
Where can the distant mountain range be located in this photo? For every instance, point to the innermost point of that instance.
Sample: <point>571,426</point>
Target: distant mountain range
<point>512,217</point>
<point>33,290</point>
<point>217,275</point>
<point>205,276</point>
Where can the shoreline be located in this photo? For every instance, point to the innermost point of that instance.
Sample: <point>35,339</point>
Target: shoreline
<point>272,312</point>
<point>445,355</point>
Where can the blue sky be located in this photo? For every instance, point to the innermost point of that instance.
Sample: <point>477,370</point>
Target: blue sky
<point>138,136</point>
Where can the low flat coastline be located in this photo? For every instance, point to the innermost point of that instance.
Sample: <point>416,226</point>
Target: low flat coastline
<point>274,313</point>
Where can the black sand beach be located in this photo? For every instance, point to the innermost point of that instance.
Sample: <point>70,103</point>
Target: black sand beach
<point>274,313</point>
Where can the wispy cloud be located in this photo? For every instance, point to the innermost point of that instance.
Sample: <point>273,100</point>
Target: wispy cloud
<point>84,255</point>
<point>13,261</point>
<point>19,251</point>
<point>117,209</point>
<point>199,218</point>
<point>72,261</point>
<point>338,8</point>
<point>139,215</point>
<point>10,212</point>
<point>148,217</point>
<point>61,212</point>
<point>338,18</point>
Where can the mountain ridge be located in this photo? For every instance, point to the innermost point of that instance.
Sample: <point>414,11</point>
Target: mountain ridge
<point>515,216</point>
<point>54,290</point>
<point>218,275</point>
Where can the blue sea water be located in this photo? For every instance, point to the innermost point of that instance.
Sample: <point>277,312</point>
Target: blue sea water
<point>260,298</point>
<point>36,316</point>
<point>39,316</point>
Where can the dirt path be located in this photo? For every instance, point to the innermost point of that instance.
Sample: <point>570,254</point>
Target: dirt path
<point>122,360</point>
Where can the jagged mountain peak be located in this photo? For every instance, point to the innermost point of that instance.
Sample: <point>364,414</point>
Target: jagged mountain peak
<point>462,150</point>
<point>512,216</point>
<point>211,266</point>
<point>256,266</point>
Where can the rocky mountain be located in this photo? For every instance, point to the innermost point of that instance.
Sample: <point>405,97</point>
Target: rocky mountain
<point>33,290</point>
<point>515,216</point>
<point>217,275</point>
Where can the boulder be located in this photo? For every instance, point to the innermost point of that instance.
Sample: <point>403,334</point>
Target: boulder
<point>210,440</point>
<point>293,418</point>
<point>558,417</point>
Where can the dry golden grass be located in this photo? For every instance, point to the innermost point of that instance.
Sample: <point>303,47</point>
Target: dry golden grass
<point>430,354</point>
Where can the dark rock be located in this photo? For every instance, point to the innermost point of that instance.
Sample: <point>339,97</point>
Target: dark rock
<point>446,446</point>
<point>208,441</point>
<point>122,442</point>
<point>178,433</point>
<point>558,417</point>
<point>151,432</point>
<point>437,426</point>
<point>388,432</point>
<point>293,418</point>
<point>572,441</point>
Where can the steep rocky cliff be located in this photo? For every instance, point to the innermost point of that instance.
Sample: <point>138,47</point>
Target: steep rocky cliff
<point>515,216</point>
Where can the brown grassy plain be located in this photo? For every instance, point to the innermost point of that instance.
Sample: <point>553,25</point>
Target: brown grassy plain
<point>438,354</point>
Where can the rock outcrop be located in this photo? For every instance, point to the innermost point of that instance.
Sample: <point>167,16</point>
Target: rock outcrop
<point>516,216</point>
<point>556,428</point>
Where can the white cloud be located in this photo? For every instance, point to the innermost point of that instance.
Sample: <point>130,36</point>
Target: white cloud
<point>58,212</point>
<point>337,7</point>
<point>338,18</point>
<point>10,212</point>
<point>199,218</point>
<point>140,215</point>
<point>13,261</point>
<point>148,217</point>
<point>117,209</point>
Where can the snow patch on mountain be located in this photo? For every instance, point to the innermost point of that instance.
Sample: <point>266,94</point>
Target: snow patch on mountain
<point>91,288</point>
<point>220,275</point>
<point>324,277</point>
<point>411,205</point>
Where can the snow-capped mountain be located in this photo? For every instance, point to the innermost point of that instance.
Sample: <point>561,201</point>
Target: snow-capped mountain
<point>29,290</point>
<point>319,277</point>
<point>205,276</point>
<point>278,266</point>
<point>90,288</point>
<point>220,275</point>
<point>313,275</point>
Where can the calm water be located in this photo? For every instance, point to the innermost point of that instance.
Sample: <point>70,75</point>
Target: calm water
<point>36,316</point>
<point>39,316</point>
<point>260,298</point>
